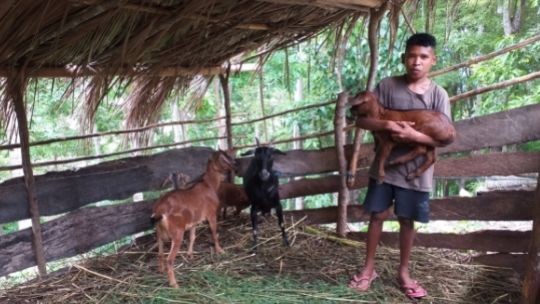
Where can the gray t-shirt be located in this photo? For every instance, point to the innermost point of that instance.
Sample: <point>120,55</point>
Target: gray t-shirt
<point>394,94</point>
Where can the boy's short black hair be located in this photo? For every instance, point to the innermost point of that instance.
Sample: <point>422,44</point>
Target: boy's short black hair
<point>421,39</point>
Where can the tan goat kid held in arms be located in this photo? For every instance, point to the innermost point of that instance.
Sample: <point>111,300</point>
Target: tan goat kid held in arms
<point>432,123</point>
<point>182,209</point>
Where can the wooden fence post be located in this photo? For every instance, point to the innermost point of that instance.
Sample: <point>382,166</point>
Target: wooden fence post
<point>16,85</point>
<point>343,194</point>
<point>531,282</point>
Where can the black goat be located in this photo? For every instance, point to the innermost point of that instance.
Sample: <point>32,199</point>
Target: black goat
<point>261,184</point>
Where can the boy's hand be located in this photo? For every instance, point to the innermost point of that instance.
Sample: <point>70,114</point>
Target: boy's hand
<point>402,131</point>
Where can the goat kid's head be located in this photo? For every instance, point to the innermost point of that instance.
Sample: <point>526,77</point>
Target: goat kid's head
<point>223,161</point>
<point>364,103</point>
<point>263,160</point>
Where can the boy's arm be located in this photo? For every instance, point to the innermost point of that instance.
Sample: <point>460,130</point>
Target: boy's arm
<point>374,124</point>
<point>401,131</point>
<point>407,134</point>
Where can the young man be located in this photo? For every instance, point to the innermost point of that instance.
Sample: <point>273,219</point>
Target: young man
<point>414,90</point>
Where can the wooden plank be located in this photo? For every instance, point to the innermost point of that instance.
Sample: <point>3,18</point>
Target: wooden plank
<point>531,282</point>
<point>487,240</point>
<point>502,260</point>
<point>87,228</point>
<point>64,191</point>
<point>476,165</point>
<point>493,206</point>
<point>489,164</point>
<point>68,190</point>
<point>494,130</point>
<point>75,233</point>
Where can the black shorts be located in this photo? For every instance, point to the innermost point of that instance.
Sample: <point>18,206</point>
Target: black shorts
<point>410,204</point>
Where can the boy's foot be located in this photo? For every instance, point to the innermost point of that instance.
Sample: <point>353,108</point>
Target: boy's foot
<point>361,282</point>
<point>413,290</point>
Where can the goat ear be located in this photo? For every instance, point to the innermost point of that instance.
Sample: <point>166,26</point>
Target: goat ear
<point>257,142</point>
<point>278,151</point>
<point>248,152</point>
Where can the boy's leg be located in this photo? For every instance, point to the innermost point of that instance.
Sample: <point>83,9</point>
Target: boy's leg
<point>406,239</point>
<point>378,202</point>
<point>373,237</point>
<point>410,206</point>
<point>362,280</point>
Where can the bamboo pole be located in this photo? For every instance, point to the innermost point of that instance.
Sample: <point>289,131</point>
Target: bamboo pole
<point>77,159</point>
<point>343,193</point>
<point>16,84</point>
<point>496,86</point>
<point>285,112</point>
<point>293,139</point>
<point>375,17</point>
<point>224,80</point>
<point>86,136</point>
<point>486,57</point>
<point>86,71</point>
<point>531,282</point>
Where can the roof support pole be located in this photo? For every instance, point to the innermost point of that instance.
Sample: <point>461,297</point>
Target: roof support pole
<point>531,282</point>
<point>224,80</point>
<point>16,85</point>
<point>343,193</point>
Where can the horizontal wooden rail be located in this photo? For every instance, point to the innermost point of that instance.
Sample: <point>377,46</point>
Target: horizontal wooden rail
<point>317,105</point>
<point>496,86</point>
<point>293,139</point>
<point>490,240</point>
<point>85,158</point>
<point>92,135</point>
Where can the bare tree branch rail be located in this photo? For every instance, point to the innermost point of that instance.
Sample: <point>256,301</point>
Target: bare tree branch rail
<point>486,57</point>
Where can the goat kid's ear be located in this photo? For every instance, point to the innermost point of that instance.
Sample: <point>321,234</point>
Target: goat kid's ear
<point>248,152</point>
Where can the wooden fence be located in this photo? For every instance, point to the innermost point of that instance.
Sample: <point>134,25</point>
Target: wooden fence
<point>82,229</point>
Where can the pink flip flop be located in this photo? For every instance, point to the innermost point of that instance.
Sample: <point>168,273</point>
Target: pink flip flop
<point>414,290</point>
<point>362,283</point>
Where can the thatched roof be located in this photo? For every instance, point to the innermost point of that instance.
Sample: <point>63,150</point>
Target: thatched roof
<point>156,35</point>
<point>141,39</point>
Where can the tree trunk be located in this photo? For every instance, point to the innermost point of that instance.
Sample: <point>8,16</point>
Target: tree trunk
<point>511,14</point>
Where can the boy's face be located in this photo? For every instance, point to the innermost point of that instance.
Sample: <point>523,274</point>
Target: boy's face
<point>418,61</point>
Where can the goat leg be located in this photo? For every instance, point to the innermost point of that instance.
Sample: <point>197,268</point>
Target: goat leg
<point>382,155</point>
<point>418,150</point>
<point>279,213</point>
<point>176,242</point>
<point>430,159</point>
<point>351,174</point>
<point>212,222</point>
<point>161,255</point>
<point>192,237</point>
<point>253,214</point>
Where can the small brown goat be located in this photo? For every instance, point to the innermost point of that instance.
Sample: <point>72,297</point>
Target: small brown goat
<point>182,209</point>
<point>432,123</point>
<point>232,195</point>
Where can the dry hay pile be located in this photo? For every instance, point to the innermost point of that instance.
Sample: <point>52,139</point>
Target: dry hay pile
<point>314,270</point>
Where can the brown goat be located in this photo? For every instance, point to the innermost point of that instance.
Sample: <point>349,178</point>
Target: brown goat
<point>182,209</point>
<point>232,195</point>
<point>432,123</point>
